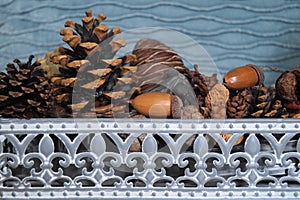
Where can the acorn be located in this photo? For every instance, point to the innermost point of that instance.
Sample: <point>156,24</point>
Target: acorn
<point>243,77</point>
<point>158,104</point>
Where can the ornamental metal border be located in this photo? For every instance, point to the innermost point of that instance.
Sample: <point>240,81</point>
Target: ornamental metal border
<point>149,158</point>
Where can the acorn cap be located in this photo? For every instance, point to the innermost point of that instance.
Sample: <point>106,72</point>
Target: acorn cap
<point>176,105</point>
<point>260,74</point>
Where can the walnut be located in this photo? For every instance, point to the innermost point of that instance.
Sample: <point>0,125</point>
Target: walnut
<point>287,88</point>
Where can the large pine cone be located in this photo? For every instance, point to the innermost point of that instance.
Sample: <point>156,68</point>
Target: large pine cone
<point>89,89</point>
<point>87,68</point>
<point>25,90</point>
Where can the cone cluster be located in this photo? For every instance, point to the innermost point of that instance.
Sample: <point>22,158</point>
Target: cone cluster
<point>86,80</point>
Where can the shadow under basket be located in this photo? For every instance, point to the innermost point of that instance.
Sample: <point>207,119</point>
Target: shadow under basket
<point>91,158</point>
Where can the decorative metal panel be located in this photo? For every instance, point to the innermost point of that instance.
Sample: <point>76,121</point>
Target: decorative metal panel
<point>90,158</point>
<point>84,158</point>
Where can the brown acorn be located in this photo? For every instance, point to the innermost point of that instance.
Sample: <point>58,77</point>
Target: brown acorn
<point>157,104</point>
<point>243,77</point>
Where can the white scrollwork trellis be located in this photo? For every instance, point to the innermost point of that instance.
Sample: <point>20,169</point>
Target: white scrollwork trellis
<point>87,157</point>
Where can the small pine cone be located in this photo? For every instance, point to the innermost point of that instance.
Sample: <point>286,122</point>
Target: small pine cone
<point>216,101</point>
<point>267,104</point>
<point>238,103</point>
<point>25,90</point>
<point>205,111</point>
<point>90,36</point>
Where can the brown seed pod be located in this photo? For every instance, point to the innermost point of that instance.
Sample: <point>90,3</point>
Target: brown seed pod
<point>243,77</point>
<point>160,68</point>
<point>287,88</point>
<point>157,104</point>
<point>216,101</point>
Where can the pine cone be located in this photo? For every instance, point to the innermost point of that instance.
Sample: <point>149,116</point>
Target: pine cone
<point>256,101</point>
<point>294,115</point>
<point>119,78</point>
<point>238,103</point>
<point>25,90</point>
<point>267,103</point>
<point>87,71</point>
<point>153,60</point>
<point>89,92</point>
<point>86,38</point>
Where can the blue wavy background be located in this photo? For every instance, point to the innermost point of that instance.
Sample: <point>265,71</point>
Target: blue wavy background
<point>233,32</point>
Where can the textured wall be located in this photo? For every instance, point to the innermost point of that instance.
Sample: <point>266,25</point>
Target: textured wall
<point>234,32</point>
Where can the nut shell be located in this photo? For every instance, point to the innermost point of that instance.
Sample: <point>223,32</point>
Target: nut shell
<point>286,85</point>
